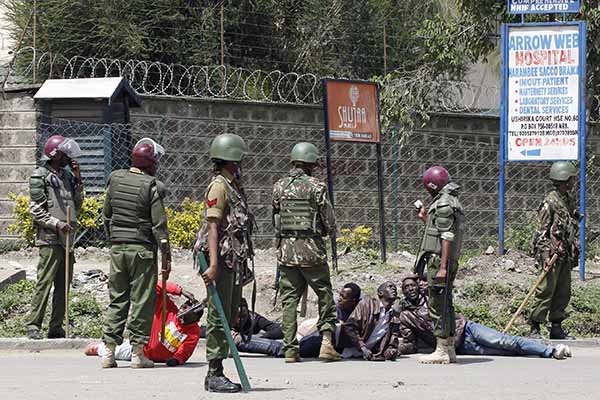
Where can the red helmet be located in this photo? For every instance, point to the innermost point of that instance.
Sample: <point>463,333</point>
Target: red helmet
<point>146,154</point>
<point>51,145</point>
<point>435,178</point>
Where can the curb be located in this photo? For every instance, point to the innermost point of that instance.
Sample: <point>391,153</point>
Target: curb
<point>44,344</point>
<point>579,343</point>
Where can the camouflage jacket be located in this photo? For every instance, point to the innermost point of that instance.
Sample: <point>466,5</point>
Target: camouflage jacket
<point>302,244</point>
<point>559,225</point>
<point>235,229</point>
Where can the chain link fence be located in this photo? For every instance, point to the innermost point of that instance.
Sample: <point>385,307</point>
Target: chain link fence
<point>471,158</point>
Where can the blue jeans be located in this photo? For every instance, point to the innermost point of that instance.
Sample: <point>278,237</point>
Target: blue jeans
<point>483,341</point>
<point>311,345</point>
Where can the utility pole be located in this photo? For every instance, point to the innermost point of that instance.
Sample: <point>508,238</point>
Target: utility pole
<point>222,35</point>
<point>222,49</point>
<point>34,40</point>
<point>384,48</point>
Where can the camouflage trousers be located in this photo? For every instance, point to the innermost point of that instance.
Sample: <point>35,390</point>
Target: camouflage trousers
<point>292,284</point>
<point>444,320</point>
<point>554,293</point>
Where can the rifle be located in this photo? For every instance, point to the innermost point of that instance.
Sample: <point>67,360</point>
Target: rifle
<point>276,285</point>
<point>212,288</point>
<point>303,302</point>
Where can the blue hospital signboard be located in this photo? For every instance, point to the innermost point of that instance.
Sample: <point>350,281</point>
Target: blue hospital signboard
<point>543,6</point>
<point>542,102</point>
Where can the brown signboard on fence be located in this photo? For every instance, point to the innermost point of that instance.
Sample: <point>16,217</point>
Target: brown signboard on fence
<point>352,110</point>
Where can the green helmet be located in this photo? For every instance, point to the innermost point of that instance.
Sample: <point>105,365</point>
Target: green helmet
<point>305,152</point>
<point>561,171</point>
<point>228,147</point>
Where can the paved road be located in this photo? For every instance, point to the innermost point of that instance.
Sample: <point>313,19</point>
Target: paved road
<point>69,374</point>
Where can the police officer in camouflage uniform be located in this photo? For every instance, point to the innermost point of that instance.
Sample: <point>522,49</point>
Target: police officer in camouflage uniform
<point>558,234</point>
<point>438,256</point>
<point>136,224</point>
<point>303,217</point>
<point>225,238</point>
<point>52,188</point>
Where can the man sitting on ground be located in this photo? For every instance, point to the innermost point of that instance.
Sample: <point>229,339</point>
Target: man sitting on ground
<point>310,341</point>
<point>472,338</point>
<point>181,331</point>
<point>372,328</point>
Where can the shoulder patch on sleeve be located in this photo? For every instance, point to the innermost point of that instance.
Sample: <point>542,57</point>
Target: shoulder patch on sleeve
<point>215,193</point>
<point>210,203</point>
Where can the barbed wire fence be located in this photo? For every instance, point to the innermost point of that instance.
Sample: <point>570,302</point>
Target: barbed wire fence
<point>152,78</point>
<point>471,158</point>
<point>158,79</point>
<point>224,82</point>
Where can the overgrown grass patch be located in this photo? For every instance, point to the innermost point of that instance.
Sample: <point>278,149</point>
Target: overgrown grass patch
<point>493,304</point>
<point>86,315</point>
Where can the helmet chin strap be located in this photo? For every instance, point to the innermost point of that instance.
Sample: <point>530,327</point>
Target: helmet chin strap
<point>238,171</point>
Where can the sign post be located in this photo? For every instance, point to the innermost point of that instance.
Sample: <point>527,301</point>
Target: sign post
<point>352,114</point>
<point>543,108</point>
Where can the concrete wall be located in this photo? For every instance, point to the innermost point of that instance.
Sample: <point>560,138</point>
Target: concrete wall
<point>18,122</point>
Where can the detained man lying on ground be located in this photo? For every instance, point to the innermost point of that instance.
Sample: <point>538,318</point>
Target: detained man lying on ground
<point>181,331</point>
<point>372,328</point>
<point>309,336</point>
<point>471,338</point>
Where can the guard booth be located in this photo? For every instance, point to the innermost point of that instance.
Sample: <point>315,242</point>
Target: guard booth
<point>95,112</point>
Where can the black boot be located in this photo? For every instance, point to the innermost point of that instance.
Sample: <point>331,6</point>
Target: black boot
<point>56,333</point>
<point>216,382</point>
<point>534,333</point>
<point>557,332</point>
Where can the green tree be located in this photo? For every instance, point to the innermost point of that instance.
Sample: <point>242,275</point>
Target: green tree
<point>483,17</point>
<point>325,37</point>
